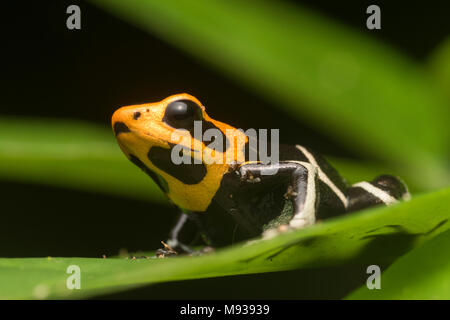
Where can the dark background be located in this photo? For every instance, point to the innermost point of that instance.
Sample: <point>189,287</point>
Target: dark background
<point>49,71</point>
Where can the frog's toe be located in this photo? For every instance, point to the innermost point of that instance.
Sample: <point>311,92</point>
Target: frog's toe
<point>164,253</point>
<point>167,251</point>
<point>273,232</point>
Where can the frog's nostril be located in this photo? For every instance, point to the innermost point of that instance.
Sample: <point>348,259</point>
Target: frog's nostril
<point>136,115</point>
<point>120,127</point>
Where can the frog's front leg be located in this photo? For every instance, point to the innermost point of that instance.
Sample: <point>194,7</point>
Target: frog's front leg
<point>173,240</point>
<point>187,229</point>
<point>302,188</point>
<point>174,244</point>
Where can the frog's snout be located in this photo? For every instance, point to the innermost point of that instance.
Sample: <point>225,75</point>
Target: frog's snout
<point>125,117</point>
<point>121,117</point>
<point>120,127</point>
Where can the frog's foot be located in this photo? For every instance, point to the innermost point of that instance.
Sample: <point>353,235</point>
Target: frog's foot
<point>273,232</point>
<point>172,249</point>
<point>167,251</point>
<point>299,224</point>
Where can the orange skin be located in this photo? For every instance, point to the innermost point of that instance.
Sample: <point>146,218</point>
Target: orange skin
<point>149,130</point>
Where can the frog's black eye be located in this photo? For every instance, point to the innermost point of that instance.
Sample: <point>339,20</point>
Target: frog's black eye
<point>181,114</point>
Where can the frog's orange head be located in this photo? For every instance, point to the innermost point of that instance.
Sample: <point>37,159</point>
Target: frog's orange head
<point>141,127</point>
<point>149,133</point>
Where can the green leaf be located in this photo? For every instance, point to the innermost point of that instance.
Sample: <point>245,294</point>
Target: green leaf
<point>355,171</point>
<point>371,97</point>
<point>80,155</point>
<point>375,236</point>
<point>440,66</point>
<point>71,154</point>
<point>423,273</point>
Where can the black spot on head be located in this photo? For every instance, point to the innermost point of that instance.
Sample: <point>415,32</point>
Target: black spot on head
<point>136,115</point>
<point>187,173</point>
<point>120,127</point>
<point>225,142</point>
<point>162,184</point>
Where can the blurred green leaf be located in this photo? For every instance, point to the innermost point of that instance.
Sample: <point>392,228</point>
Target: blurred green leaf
<point>423,274</point>
<point>375,99</point>
<point>84,156</point>
<point>375,236</point>
<point>70,154</point>
<point>440,66</point>
<point>355,171</point>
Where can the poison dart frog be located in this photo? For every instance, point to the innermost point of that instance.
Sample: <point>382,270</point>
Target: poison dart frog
<point>236,200</point>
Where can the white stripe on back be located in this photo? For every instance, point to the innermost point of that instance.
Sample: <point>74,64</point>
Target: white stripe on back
<point>323,176</point>
<point>377,192</point>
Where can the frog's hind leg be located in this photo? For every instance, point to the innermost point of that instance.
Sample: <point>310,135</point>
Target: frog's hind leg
<point>385,189</point>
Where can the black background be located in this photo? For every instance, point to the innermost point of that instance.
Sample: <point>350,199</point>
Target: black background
<point>49,71</point>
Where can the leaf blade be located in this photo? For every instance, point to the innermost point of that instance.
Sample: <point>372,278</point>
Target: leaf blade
<point>338,241</point>
<point>423,274</point>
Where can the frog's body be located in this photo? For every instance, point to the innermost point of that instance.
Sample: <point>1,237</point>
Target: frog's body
<point>237,199</point>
